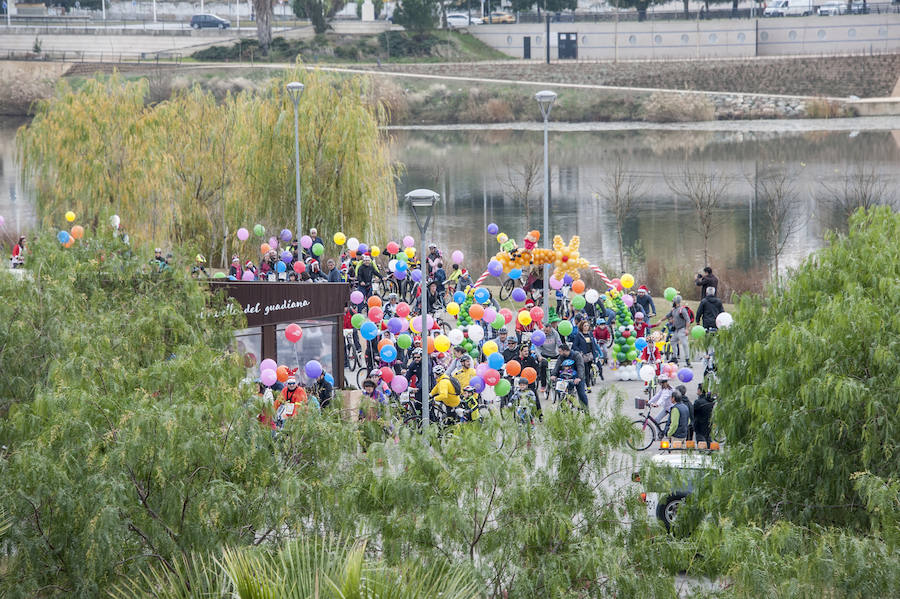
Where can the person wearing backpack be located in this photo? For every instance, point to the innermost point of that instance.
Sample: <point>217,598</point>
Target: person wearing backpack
<point>681,319</point>
<point>709,309</point>
<point>446,388</point>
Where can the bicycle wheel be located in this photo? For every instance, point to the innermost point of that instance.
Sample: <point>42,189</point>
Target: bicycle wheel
<point>361,376</point>
<point>446,327</point>
<point>643,434</point>
<point>350,357</point>
<point>506,289</point>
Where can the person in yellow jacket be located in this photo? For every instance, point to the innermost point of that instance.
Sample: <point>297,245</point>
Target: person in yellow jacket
<point>444,390</point>
<point>465,372</point>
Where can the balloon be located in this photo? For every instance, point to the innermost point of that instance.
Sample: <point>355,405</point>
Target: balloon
<point>724,320</point>
<point>640,344</point>
<point>555,283</point>
<point>273,243</point>
<point>538,338</point>
<point>647,373</point>
<point>368,330</point>
<point>452,308</point>
<point>286,235</point>
<point>395,325</point>
<point>490,348</point>
<point>476,311</point>
<point>353,244</point>
<point>404,341</point>
<point>495,268</point>
<point>268,364</point>
<point>616,284</point>
<point>339,238</point>
<point>243,234</point>
<point>248,276</point>
<point>317,249</point>
<point>63,236</point>
<point>627,281</point>
<point>287,257</point>
<point>568,280</point>
<point>477,382</point>
<point>616,348</point>
<point>399,384</point>
<point>299,268</point>
<point>628,300</point>
<point>476,333</point>
<point>268,377</point>
<point>264,248</point>
<point>698,332</point>
<point>495,361</point>
<point>513,368</point>
<point>592,296</point>
<point>259,230</point>
<point>457,257</point>
<point>459,297</point>
<point>430,349</point>
<point>482,295</point>
<point>69,243</point>
<point>490,315</point>
<point>2,220</point>
<point>387,375</point>
<point>524,318</point>
<point>578,286</point>
<point>392,247</point>
<point>374,251</point>
<point>502,387</point>
<point>529,374</point>
<point>282,374</point>
<point>280,266</point>
<point>626,334</point>
<point>329,379</point>
<point>374,301</point>
<point>306,242</point>
<point>481,369</point>
<point>401,266</point>
<point>498,323</point>
<point>456,336</point>
<point>507,315</point>
<point>77,232</point>
<point>376,314</point>
<point>491,377</point>
<point>442,343</point>
<point>564,328</point>
<point>416,274</point>
<point>670,293</point>
<point>357,320</point>
<point>621,356</point>
<point>685,375</point>
<point>70,216</point>
<point>408,242</point>
<point>578,302</point>
<point>518,295</point>
<point>403,309</point>
<point>363,248</point>
<point>515,274</point>
<point>114,221</point>
<point>357,297</point>
<point>388,353</point>
<point>631,355</point>
<point>410,252</point>
<point>493,229</point>
<point>293,332</point>
<point>221,275</point>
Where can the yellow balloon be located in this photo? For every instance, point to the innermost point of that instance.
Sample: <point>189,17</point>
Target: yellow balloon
<point>490,348</point>
<point>524,318</point>
<point>452,308</point>
<point>627,281</point>
<point>374,251</point>
<point>442,343</point>
<point>70,216</point>
<point>660,344</point>
<point>410,252</point>
<point>340,238</point>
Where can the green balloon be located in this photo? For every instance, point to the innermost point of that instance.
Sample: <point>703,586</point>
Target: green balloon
<point>502,388</point>
<point>498,323</point>
<point>565,328</point>
<point>621,357</point>
<point>698,332</point>
<point>474,353</point>
<point>616,348</point>
<point>259,230</point>
<point>578,302</point>
<point>317,249</point>
<point>630,340</point>
<point>402,257</point>
<point>632,355</point>
<point>219,275</point>
<point>403,341</point>
<point>358,320</point>
<point>670,293</point>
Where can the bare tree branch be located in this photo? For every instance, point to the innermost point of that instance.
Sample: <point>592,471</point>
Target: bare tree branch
<point>620,191</point>
<point>523,176</point>
<point>704,190</point>
<point>783,209</point>
<point>860,188</point>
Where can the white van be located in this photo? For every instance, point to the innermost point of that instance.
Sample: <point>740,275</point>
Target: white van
<point>789,8</point>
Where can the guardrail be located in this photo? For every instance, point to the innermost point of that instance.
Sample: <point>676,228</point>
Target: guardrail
<point>161,57</point>
<point>167,22</point>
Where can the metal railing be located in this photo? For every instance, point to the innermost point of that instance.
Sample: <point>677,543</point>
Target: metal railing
<point>100,56</point>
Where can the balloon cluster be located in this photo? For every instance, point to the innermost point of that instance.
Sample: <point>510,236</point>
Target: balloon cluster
<point>564,257</point>
<point>624,348</point>
<point>67,238</point>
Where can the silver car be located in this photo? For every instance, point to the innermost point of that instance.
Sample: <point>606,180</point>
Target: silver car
<point>830,9</point>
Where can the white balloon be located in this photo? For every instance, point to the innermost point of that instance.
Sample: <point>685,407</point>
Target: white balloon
<point>724,320</point>
<point>114,220</point>
<point>392,265</point>
<point>647,373</point>
<point>476,333</point>
<point>456,336</point>
<point>592,296</point>
<point>353,244</point>
<point>622,329</point>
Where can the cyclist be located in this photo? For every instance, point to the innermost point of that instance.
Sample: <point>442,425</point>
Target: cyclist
<point>525,401</point>
<point>469,398</point>
<point>412,374</point>
<point>663,398</point>
<point>292,396</point>
<point>651,354</point>
<point>549,351</point>
<point>323,390</point>
<point>570,366</point>
<point>198,267</point>
<point>365,275</point>
<point>644,303</point>
<point>464,372</point>
<point>511,351</point>
<point>446,389</point>
<point>390,308</point>
<point>710,308</point>
<point>528,358</point>
<point>378,400</point>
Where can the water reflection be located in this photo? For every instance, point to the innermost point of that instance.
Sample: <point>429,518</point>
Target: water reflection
<point>15,208</point>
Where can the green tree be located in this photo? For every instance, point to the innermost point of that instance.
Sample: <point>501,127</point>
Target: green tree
<point>417,15</point>
<point>640,6</point>
<point>319,11</point>
<point>262,10</point>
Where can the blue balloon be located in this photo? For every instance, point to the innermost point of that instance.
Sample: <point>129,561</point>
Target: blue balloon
<point>515,274</point>
<point>363,248</point>
<point>280,266</point>
<point>416,274</point>
<point>477,382</point>
<point>63,236</point>
<point>232,278</point>
<point>329,378</point>
<point>538,338</point>
<point>495,360</point>
<point>640,344</point>
<point>368,330</point>
<point>459,297</point>
<point>388,353</point>
<point>401,266</point>
<point>493,229</point>
<point>482,295</point>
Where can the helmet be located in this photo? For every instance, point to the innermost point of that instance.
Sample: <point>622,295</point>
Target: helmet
<point>523,381</point>
<point>392,295</point>
<point>200,259</point>
<point>375,374</point>
<point>469,389</point>
<point>417,351</point>
<point>432,245</point>
<point>438,370</point>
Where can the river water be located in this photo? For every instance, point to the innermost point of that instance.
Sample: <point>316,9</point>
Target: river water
<point>471,167</point>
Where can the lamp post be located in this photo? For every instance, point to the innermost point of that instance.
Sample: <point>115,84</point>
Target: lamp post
<point>424,200</point>
<point>295,90</point>
<point>545,100</point>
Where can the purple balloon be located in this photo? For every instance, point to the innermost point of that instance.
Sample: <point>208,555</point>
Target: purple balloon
<point>268,377</point>
<point>363,248</point>
<point>568,280</point>
<point>518,295</point>
<point>248,276</point>
<point>287,257</point>
<point>306,242</point>
<point>685,375</point>
<point>357,297</point>
<point>243,234</point>
<point>538,338</point>
<point>273,243</point>
<point>313,369</point>
<point>477,382</point>
<point>457,257</point>
<point>400,274</point>
<point>395,325</point>
<point>555,283</point>
<point>481,369</point>
<point>495,268</point>
<point>286,235</point>
<point>399,383</point>
<point>417,275</point>
<point>493,229</point>
<point>408,241</point>
<point>268,364</point>
<point>489,315</point>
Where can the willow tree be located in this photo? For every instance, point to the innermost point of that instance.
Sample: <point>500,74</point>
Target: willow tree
<point>190,170</point>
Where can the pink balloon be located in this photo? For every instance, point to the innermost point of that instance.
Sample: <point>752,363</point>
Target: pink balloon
<point>273,243</point>
<point>268,377</point>
<point>507,315</point>
<point>306,241</point>
<point>555,283</point>
<point>293,332</point>
<point>375,314</point>
<point>481,369</point>
<point>243,234</point>
<point>399,383</point>
<point>629,301</point>
<point>357,297</point>
<point>248,276</point>
<point>457,257</point>
<point>491,377</point>
<point>408,241</point>
<point>489,315</point>
<point>268,364</point>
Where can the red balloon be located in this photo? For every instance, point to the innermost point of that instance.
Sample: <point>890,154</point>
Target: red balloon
<point>392,247</point>
<point>626,333</point>
<point>376,314</point>
<point>387,375</point>
<point>402,309</point>
<point>507,315</point>
<point>537,314</point>
<point>491,377</point>
<point>293,332</point>
<point>299,268</point>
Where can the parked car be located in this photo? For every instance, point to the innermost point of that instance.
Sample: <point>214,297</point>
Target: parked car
<point>670,479</point>
<point>458,20</point>
<point>789,8</point>
<point>830,9</point>
<point>204,21</point>
<point>498,16</point>
<point>858,8</point>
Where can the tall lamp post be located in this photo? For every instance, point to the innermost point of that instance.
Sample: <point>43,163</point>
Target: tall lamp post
<point>295,90</point>
<point>424,200</point>
<point>545,100</point>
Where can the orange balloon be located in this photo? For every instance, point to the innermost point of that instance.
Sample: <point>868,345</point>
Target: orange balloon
<point>264,248</point>
<point>384,342</point>
<point>578,286</point>
<point>69,243</point>
<point>353,253</point>
<point>374,301</point>
<point>282,374</point>
<point>430,345</point>
<point>513,367</point>
<point>77,231</point>
<point>530,374</point>
<point>476,311</point>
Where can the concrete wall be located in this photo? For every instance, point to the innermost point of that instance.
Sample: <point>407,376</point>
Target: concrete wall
<point>722,38</point>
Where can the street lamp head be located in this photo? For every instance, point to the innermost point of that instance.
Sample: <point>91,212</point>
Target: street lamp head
<point>422,198</point>
<point>295,90</point>
<point>545,100</point>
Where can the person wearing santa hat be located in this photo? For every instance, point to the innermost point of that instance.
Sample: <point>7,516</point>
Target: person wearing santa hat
<point>644,303</point>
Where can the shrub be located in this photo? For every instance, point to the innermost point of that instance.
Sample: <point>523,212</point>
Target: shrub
<point>663,107</point>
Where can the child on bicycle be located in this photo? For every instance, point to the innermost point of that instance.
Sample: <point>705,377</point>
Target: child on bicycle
<point>525,401</point>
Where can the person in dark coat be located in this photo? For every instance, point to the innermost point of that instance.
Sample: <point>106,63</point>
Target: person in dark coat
<point>706,280</point>
<point>710,307</point>
<point>703,409</point>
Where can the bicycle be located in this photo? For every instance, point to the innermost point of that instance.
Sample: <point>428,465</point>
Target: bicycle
<point>564,395</point>
<point>646,428</point>
<point>352,355</point>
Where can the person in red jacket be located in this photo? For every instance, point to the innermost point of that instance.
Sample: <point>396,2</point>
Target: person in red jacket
<point>292,397</point>
<point>640,326</point>
<point>651,354</point>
